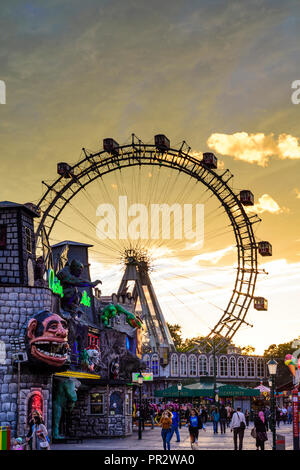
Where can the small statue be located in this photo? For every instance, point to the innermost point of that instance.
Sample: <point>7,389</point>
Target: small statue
<point>70,278</point>
<point>112,310</point>
<point>114,369</point>
<point>65,399</point>
<point>91,359</point>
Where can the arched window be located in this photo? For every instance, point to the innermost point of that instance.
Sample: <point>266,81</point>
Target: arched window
<point>202,365</point>
<point>211,365</point>
<point>192,365</point>
<point>183,368</point>
<point>241,367</point>
<point>174,365</point>
<point>250,367</point>
<point>146,359</point>
<point>35,403</point>
<point>260,367</point>
<point>232,367</point>
<point>223,366</point>
<point>154,364</point>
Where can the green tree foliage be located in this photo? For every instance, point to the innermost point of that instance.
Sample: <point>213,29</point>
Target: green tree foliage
<point>278,352</point>
<point>202,343</point>
<point>175,332</point>
<point>248,350</point>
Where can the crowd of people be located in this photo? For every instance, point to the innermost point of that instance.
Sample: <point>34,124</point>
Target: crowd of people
<point>170,416</point>
<point>224,419</point>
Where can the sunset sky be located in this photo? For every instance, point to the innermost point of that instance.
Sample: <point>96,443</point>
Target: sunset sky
<point>217,74</point>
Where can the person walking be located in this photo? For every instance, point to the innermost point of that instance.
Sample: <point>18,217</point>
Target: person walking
<point>216,418</point>
<point>261,431</point>
<point>223,419</point>
<point>290,414</point>
<point>229,413</point>
<point>247,417</point>
<point>194,423</point>
<point>204,415</point>
<point>267,414</point>
<point>175,424</point>
<point>278,416</point>
<point>152,416</point>
<point>166,425</point>
<point>238,425</point>
<point>40,439</point>
<point>284,415</point>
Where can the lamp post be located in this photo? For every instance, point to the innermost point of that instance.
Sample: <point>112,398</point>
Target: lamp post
<point>179,386</point>
<point>140,382</point>
<point>272,367</point>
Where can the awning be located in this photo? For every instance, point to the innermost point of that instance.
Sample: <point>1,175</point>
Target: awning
<point>77,375</point>
<point>199,389</point>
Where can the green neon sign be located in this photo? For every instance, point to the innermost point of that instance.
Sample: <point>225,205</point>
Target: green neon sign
<point>54,283</point>
<point>85,299</point>
<point>56,287</point>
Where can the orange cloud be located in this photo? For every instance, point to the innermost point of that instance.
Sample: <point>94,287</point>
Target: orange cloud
<point>267,204</point>
<point>297,193</point>
<point>255,148</point>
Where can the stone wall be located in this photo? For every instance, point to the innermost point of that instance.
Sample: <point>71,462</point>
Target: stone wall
<point>10,256</point>
<point>17,304</point>
<point>86,425</point>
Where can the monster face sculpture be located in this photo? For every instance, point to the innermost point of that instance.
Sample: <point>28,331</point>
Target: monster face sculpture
<point>47,339</point>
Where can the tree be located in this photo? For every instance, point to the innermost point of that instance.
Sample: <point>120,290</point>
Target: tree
<point>175,332</point>
<point>201,343</point>
<point>278,352</point>
<point>248,350</point>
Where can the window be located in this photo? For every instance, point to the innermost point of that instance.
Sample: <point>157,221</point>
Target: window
<point>250,367</point>
<point>260,368</point>
<point>154,364</point>
<point>28,241</point>
<point>128,405</point>
<point>174,364</point>
<point>223,366</point>
<point>75,357</point>
<point>93,341</point>
<point>97,403</point>
<point>146,359</point>
<point>241,367</point>
<point>192,365</point>
<point>183,363</point>
<point>211,366</point>
<point>232,367</point>
<point>202,365</point>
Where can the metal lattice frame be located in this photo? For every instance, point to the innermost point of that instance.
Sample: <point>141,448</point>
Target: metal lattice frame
<point>97,165</point>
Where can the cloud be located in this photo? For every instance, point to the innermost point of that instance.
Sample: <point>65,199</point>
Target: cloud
<point>255,148</point>
<point>267,204</point>
<point>297,193</point>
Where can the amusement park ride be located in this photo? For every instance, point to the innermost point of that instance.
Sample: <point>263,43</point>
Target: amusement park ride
<point>113,157</point>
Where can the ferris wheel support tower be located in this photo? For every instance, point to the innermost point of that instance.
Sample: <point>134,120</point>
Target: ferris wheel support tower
<point>137,271</point>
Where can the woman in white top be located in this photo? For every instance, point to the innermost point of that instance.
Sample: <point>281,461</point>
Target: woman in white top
<point>39,435</point>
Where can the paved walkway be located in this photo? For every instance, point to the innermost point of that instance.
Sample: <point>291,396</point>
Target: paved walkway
<point>151,440</point>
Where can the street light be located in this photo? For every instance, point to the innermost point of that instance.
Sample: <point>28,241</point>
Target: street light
<point>140,379</point>
<point>179,386</point>
<point>272,367</point>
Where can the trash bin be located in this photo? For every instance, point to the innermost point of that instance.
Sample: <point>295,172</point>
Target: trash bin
<point>4,437</point>
<point>280,442</point>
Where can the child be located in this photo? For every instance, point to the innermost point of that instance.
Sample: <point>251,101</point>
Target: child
<point>18,444</point>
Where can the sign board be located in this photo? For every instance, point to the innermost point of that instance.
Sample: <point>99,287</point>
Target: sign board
<point>147,376</point>
<point>2,352</point>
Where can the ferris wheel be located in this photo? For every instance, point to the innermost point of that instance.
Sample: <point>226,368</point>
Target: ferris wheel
<point>155,172</point>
